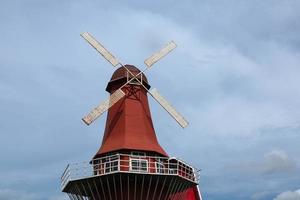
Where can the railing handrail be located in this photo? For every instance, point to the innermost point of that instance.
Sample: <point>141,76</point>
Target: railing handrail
<point>63,174</point>
<point>123,163</point>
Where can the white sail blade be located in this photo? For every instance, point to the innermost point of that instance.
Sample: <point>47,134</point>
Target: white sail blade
<point>168,107</point>
<point>104,106</point>
<point>100,48</point>
<point>160,54</point>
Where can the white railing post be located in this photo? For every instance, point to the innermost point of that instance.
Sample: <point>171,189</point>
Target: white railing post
<point>119,163</point>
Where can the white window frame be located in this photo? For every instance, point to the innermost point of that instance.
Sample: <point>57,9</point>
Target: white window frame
<point>139,154</point>
<point>140,168</point>
<point>109,161</point>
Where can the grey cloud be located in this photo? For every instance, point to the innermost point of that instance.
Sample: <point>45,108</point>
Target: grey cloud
<point>288,195</point>
<point>7,194</point>
<point>251,24</point>
<point>261,195</point>
<point>278,161</point>
<point>60,197</point>
<point>274,163</point>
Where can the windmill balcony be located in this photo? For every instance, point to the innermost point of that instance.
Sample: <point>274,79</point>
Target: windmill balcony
<point>129,164</point>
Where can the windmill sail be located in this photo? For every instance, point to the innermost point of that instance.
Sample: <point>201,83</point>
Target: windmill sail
<point>104,106</point>
<point>100,48</point>
<point>169,108</point>
<point>160,54</point>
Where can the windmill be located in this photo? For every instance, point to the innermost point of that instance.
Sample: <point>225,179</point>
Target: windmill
<point>117,95</point>
<point>130,164</point>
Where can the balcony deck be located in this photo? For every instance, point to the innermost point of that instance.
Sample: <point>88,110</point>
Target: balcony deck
<point>130,164</point>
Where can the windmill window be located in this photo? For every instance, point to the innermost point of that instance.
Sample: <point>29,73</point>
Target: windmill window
<point>138,154</point>
<point>140,165</point>
<point>111,164</point>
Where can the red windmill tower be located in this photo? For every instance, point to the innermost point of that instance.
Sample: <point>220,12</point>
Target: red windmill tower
<point>130,164</point>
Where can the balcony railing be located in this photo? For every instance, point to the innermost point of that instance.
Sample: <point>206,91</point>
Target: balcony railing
<point>128,163</point>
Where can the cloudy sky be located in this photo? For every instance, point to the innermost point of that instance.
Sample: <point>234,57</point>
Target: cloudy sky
<point>234,76</point>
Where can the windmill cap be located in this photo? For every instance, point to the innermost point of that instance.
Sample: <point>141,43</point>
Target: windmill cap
<point>120,76</point>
